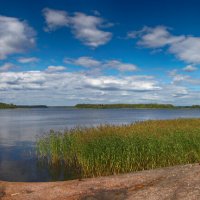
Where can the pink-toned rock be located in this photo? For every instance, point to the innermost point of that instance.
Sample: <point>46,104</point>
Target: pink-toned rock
<point>180,182</point>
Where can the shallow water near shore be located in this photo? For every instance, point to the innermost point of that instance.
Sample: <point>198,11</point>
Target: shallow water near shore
<point>20,127</point>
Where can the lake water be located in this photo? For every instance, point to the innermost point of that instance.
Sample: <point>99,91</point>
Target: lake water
<point>20,127</point>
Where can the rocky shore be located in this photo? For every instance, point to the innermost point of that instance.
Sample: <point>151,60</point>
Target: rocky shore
<point>180,182</point>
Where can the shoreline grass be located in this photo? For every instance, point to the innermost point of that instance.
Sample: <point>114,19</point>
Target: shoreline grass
<point>110,149</point>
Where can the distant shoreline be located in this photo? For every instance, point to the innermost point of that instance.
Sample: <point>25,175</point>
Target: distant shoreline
<point>103,106</point>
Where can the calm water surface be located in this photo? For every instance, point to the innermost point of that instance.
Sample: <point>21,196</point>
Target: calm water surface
<point>20,127</point>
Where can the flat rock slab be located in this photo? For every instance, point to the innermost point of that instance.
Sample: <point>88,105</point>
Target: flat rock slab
<point>180,182</point>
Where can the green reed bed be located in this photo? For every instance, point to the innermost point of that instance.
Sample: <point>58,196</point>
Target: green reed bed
<point>110,149</point>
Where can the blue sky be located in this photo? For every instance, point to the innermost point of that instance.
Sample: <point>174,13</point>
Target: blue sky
<point>59,52</point>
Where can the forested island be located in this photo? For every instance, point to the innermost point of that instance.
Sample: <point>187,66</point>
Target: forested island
<point>32,106</point>
<point>139,106</point>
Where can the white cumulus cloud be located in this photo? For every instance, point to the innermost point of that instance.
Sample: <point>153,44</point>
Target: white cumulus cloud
<point>6,67</point>
<point>68,88</point>
<point>178,78</point>
<point>52,68</point>
<point>86,28</point>
<point>83,61</point>
<point>187,50</point>
<point>184,47</point>
<point>16,36</point>
<point>55,18</point>
<point>116,64</point>
<point>190,68</point>
<point>75,87</point>
<point>28,59</point>
<point>90,62</point>
<point>155,37</point>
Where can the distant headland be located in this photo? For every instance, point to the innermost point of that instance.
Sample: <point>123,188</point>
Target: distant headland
<point>7,106</point>
<point>13,106</point>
